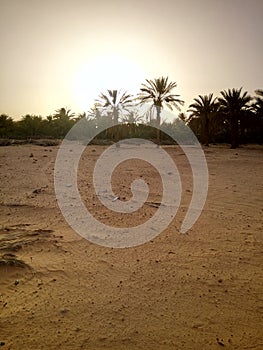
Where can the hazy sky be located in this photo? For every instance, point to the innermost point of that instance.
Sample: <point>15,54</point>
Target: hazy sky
<point>61,53</point>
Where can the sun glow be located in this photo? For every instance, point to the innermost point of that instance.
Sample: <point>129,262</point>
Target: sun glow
<point>106,72</point>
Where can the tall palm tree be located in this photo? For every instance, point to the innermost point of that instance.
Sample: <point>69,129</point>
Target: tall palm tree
<point>203,108</point>
<point>233,103</point>
<point>115,102</point>
<point>158,92</point>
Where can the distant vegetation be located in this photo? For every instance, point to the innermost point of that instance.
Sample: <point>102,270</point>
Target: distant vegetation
<point>234,117</point>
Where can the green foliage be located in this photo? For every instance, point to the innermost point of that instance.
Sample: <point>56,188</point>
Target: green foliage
<point>30,126</point>
<point>6,126</point>
<point>233,117</point>
<point>112,104</point>
<point>234,105</point>
<point>204,108</point>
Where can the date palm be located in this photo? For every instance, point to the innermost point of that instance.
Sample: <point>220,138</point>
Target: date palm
<point>114,102</point>
<point>233,104</point>
<point>62,122</point>
<point>63,113</point>
<point>159,93</point>
<point>133,118</point>
<point>203,108</point>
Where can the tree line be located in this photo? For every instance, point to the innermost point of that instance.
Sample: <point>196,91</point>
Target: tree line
<point>234,117</point>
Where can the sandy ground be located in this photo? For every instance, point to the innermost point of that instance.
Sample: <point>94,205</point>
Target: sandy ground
<point>201,290</point>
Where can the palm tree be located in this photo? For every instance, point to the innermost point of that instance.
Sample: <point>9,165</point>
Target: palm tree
<point>133,117</point>
<point>233,104</point>
<point>30,126</point>
<point>130,123</point>
<point>63,113</point>
<point>203,108</point>
<point>62,122</point>
<point>115,102</point>
<point>158,92</point>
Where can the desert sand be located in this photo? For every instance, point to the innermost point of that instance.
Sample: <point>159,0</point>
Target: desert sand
<point>200,290</point>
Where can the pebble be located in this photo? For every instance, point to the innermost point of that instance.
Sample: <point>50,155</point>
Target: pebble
<point>64,310</point>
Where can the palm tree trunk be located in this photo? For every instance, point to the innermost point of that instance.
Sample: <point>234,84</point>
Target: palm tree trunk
<point>205,130</point>
<point>158,119</point>
<point>234,131</point>
<point>242,130</point>
<point>116,124</point>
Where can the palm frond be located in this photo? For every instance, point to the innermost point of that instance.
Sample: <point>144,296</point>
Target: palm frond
<point>159,92</point>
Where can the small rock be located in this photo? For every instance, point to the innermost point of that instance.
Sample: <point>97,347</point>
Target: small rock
<point>220,342</point>
<point>31,155</point>
<point>2,343</point>
<point>102,338</point>
<point>16,282</point>
<point>37,191</point>
<point>64,310</point>
<point>39,283</point>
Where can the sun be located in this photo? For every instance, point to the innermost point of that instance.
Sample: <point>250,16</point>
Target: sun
<point>106,72</point>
